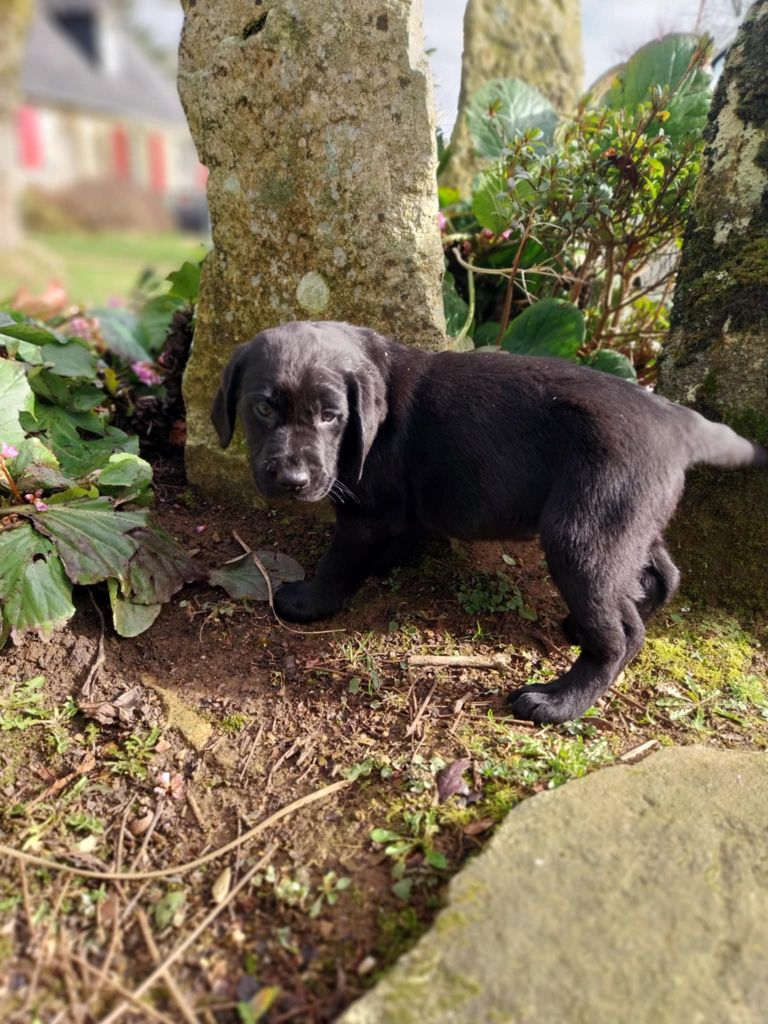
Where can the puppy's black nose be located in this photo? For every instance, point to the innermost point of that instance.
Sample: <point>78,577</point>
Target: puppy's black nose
<point>292,479</point>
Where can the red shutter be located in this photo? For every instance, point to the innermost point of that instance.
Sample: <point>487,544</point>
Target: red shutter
<point>30,140</point>
<point>158,175</point>
<point>121,153</point>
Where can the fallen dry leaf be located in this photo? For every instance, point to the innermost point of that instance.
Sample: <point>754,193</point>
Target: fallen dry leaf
<point>138,826</point>
<point>220,887</point>
<point>450,781</point>
<point>474,828</point>
<point>117,712</point>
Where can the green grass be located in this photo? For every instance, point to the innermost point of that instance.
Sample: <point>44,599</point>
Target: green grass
<point>94,268</point>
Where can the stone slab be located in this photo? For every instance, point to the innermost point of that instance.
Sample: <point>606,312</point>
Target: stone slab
<point>638,895</point>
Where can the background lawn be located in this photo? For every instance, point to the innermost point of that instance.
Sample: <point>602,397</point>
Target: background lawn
<point>94,268</point>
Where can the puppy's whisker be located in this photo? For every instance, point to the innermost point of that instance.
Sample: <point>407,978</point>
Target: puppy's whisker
<point>346,491</point>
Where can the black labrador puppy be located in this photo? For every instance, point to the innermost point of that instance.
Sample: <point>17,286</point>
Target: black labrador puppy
<point>408,443</point>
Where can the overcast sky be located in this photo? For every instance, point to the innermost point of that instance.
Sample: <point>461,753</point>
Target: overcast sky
<point>612,30</point>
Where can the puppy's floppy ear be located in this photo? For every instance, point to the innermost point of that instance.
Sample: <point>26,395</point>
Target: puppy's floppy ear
<point>224,410</point>
<point>367,400</point>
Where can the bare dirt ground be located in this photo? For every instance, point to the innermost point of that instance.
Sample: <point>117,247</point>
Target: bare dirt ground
<point>188,736</point>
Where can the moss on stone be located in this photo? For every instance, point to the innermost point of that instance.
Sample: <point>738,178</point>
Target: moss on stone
<point>712,655</point>
<point>719,538</point>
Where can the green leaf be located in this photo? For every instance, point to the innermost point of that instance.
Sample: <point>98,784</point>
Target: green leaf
<point>15,398</point>
<point>22,350</point>
<point>383,835</point>
<point>34,592</point>
<point>612,362</point>
<point>402,889</point>
<point>74,359</point>
<point>78,458</point>
<point>664,62</point>
<point>41,476</point>
<point>155,321</point>
<point>125,476</point>
<point>33,452</point>
<point>454,306</point>
<point>168,907</point>
<point>33,334</point>
<point>94,540</point>
<point>435,859</point>
<point>129,618</point>
<point>158,568</point>
<point>120,330</point>
<point>241,578</point>
<point>552,327</point>
<point>492,203</point>
<point>486,334</point>
<point>64,421</point>
<point>448,196</point>
<point>85,398</point>
<point>185,282</point>
<point>505,108</point>
<point>48,386</point>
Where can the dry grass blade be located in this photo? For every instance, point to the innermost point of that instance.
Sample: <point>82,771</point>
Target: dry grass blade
<point>196,932</point>
<point>178,869</point>
<point>175,992</point>
<point>146,1008</point>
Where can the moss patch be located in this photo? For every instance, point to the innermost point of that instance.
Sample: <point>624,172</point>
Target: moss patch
<point>719,538</point>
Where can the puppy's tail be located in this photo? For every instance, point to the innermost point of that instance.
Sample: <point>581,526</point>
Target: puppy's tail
<point>717,445</point>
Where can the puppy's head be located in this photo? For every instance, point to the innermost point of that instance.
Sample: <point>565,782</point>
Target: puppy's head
<point>311,399</point>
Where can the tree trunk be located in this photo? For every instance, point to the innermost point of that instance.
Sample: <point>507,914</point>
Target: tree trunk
<point>716,358</point>
<point>16,17</point>
<point>538,41</point>
<point>315,120</point>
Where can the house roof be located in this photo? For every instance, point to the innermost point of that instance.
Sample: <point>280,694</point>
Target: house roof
<point>55,70</point>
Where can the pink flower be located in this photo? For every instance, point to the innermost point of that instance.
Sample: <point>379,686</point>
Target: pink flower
<point>147,374</point>
<point>486,233</point>
<point>442,221</point>
<point>34,499</point>
<point>7,451</point>
<point>505,234</point>
<point>82,327</point>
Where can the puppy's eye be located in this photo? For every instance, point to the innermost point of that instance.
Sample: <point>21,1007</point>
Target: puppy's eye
<point>328,415</point>
<point>265,409</point>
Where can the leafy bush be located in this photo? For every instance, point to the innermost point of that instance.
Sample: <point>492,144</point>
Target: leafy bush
<point>74,492</point>
<point>569,244</point>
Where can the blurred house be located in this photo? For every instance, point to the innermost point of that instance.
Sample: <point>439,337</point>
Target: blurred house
<point>96,106</point>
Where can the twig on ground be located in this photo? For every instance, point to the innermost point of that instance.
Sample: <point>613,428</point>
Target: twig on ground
<point>496,661</point>
<point>146,1008</point>
<point>639,752</point>
<point>86,690</point>
<point>178,869</point>
<point>196,932</point>
<point>254,744</point>
<point>25,901</point>
<point>410,731</point>
<point>196,812</point>
<point>268,581</point>
<point>148,834</point>
<point>174,991</point>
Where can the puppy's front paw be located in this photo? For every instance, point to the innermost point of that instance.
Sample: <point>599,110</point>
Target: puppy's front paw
<point>544,703</point>
<point>301,602</point>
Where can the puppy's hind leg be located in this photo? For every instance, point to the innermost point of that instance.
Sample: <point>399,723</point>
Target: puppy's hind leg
<point>602,594</point>
<point>659,579</point>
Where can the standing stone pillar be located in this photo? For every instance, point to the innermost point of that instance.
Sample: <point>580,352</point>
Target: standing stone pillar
<point>16,18</point>
<point>716,358</point>
<point>538,41</point>
<point>315,120</point>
